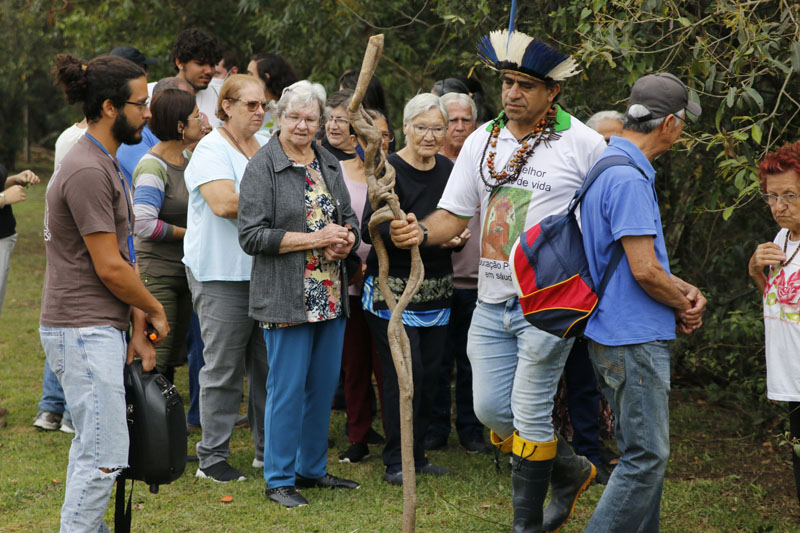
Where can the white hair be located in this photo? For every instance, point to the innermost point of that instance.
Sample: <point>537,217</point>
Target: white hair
<point>600,116</point>
<point>422,103</point>
<point>637,111</point>
<point>301,94</point>
<point>461,99</point>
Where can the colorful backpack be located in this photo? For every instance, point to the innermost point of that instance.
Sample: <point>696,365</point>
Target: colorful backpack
<point>550,271</point>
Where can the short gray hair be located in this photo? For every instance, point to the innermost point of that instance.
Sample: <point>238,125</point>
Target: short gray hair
<point>638,110</point>
<point>173,82</point>
<point>302,93</point>
<point>422,103</point>
<point>600,116</point>
<point>461,99</point>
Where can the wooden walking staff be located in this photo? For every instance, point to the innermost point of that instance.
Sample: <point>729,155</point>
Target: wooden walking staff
<point>386,207</point>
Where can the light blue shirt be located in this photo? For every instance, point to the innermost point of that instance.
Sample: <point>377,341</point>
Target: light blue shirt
<point>623,203</point>
<point>211,244</point>
<point>129,155</point>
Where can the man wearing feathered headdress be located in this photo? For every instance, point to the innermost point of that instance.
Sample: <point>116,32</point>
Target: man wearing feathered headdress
<point>521,167</point>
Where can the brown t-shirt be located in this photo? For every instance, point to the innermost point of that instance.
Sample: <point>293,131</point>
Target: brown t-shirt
<point>84,196</point>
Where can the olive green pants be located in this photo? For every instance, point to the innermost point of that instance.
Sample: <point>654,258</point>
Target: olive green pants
<point>173,293</point>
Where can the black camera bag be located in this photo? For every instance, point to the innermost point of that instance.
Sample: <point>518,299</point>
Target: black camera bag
<point>157,432</point>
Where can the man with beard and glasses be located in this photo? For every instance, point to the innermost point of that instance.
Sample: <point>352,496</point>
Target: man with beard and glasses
<point>195,55</point>
<point>92,292</point>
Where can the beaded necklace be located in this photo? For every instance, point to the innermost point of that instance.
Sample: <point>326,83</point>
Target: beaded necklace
<point>785,245</point>
<point>543,132</point>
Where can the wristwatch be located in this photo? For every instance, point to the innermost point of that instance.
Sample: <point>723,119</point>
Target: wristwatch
<point>424,234</point>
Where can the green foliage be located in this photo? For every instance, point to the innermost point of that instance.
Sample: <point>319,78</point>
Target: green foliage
<point>739,59</point>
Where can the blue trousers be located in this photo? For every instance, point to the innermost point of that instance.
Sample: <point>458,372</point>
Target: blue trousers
<point>583,402</point>
<point>194,354</point>
<point>304,363</point>
<point>635,381</point>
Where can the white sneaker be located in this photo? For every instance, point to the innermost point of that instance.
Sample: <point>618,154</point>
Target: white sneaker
<point>66,426</point>
<point>257,463</point>
<point>47,421</point>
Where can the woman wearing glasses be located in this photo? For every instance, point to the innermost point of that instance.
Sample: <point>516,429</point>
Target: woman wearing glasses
<point>160,201</point>
<point>422,174</point>
<point>296,220</point>
<point>219,278</point>
<point>775,267</point>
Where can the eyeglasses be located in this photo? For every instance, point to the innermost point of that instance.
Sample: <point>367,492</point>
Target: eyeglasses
<point>141,105</point>
<point>340,121</point>
<point>294,120</point>
<point>252,105</point>
<point>421,130</point>
<point>387,136</point>
<point>787,198</point>
<point>198,117</point>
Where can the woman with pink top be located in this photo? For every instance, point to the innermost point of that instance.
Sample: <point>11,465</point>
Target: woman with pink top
<point>359,358</point>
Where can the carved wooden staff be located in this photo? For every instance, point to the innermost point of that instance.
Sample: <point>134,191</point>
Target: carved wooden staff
<point>386,207</point>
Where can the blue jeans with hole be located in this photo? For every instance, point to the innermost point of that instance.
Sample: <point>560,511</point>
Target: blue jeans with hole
<point>89,362</point>
<point>515,371</point>
<point>635,381</point>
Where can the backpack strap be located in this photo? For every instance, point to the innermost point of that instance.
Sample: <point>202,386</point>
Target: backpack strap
<point>599,167</point>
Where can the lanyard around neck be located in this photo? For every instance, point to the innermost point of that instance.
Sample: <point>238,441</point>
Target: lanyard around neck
<point>128,195</point>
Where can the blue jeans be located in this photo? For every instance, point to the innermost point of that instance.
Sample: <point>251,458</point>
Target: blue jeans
<point>89,362</point>
<point>467,424</point>
<point>635,381</point>
<point>53,400</point>
<point>583,402</point>
<point>304,364</point>
<point>194,354</point>
<point>515,371</point>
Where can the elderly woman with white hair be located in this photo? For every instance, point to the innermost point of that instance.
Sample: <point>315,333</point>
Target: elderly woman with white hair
<point>296,220</point>
<point>422,174</point>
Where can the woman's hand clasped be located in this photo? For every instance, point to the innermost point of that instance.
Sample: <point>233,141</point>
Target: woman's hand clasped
<point>335,240</point>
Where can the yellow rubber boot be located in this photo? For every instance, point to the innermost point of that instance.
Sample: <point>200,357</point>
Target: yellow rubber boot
<point>531,463</point>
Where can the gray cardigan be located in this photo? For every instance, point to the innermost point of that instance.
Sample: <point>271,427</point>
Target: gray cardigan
<point>272,202</point>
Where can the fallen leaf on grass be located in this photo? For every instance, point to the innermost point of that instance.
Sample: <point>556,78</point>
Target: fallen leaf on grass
<point>226,499</point>
<point>54,480</point>
<point>767,444</point>
<point>139,506</point>
<point>485,506</point>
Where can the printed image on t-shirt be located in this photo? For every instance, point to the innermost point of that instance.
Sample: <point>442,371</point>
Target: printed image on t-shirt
<point>504,221</point>
<point>783,289</point>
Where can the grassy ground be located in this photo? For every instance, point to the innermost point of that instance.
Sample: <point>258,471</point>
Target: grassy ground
<point>722,476</point>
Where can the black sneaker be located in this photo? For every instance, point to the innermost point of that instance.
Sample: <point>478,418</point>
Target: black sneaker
<point>356,453</point>
<point>286,496</point>
<point>433,470</point>
<point>375,438</point>
<point>327,481</point>
<point>220,472</point>
<point>435,442</point>
<point>474,445</point>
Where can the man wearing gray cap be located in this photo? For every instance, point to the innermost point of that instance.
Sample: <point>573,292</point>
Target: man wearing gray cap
<point>643,304</point>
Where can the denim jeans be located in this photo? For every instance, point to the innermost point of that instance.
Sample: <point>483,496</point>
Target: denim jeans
<point>194,353</point>
<point>6,247</point>
<point>635,381</point>
<point>89,362</point>
<point>515,371</point>
<point>52,400</point>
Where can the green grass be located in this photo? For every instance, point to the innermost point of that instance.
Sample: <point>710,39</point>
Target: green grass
<point>721,477</point>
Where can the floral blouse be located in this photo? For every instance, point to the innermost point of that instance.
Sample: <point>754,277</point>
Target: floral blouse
<point>322,279</point>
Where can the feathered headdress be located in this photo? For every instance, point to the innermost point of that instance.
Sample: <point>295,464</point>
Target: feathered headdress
<point>515,51</point>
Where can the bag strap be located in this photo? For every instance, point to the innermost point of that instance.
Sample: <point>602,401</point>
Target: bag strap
<point>599,167</point>
<point>122,517</point>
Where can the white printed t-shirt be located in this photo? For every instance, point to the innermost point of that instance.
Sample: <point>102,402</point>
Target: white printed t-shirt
<point>545,186</point>
<point>782,326</point>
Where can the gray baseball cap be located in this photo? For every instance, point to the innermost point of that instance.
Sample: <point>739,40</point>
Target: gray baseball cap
<point>662,94</point>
